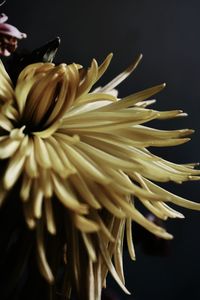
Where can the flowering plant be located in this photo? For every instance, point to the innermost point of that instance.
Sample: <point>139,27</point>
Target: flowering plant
<point>80,162</point>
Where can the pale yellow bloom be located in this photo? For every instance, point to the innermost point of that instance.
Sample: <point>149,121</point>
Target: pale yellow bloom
<point>81,159</point>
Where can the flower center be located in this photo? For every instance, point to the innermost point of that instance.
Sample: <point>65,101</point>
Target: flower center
<point>48,92</point>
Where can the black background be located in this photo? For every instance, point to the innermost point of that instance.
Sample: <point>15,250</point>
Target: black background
<point>167,33</point>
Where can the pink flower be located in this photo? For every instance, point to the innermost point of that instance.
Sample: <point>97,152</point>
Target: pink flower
<point>9,36</point>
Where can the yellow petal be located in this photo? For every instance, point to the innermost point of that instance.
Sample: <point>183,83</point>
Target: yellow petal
<point>51,226</point>
<point>85,224</point>
<point>43,264</point>
<point>41,153</point>
<point>8,147</point>
<point>121,77</point>
<point>14,170</point>
<point>66,197</point>
<point>89,246</point>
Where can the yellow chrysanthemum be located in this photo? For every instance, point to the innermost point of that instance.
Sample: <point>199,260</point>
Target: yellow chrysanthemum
<point>80,158</point>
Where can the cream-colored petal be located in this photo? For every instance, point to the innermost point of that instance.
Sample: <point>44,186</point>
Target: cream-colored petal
<point>5,123</point>
<point>84,191</point>
<point>84,163</point>
<point>25,188</point>
<point>173,198</point>
<point>51,226</point>
<point>104,200</point>
<point>38,198</point>
<point>109,264</point>
<point>121,77</point>
<point>89,246</point>
<point>14,170</point>
<point>89,80</point>
<point>103,67</point>
<point>65,196</point>
<point>8,147</point>
<point>43,264</point>
<point>85,224</point>
<point>41,153</point>
<point>6,90</point>
<point>129,238</point>
<point>131,100</point>
<point>45,183</point>
<point>31,166</point>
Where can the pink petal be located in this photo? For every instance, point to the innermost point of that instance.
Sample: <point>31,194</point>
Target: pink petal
<point>3,18</point>
<point>10,30</point>
<point>4,52</point>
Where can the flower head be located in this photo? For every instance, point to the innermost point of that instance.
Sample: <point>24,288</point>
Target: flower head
<point>9,36</point>
<point>81,161</point>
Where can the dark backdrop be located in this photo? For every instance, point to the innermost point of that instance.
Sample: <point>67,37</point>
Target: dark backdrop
<point>167,33</point>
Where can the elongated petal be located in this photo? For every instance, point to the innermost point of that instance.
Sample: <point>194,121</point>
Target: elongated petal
<point>121,77</point>
<point>66,197</point>
<point>41,153</point>
<point>44,266</point>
